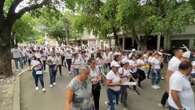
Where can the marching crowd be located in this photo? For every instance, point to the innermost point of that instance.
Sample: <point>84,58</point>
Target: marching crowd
<point>92,68</point>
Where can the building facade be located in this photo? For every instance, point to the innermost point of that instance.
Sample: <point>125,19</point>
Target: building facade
<point>156,41</point>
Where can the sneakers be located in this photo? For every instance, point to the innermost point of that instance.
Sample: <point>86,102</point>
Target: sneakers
<point>125,109</point>
<point>51,85</point>
<point>54,83</point>
<point>162,78</point>
<point>44,90</point>
<point>160,105</point>
<point>155,87</point>
<point>37,88</point>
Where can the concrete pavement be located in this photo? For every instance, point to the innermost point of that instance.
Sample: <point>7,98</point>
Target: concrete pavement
<point>54,98</point>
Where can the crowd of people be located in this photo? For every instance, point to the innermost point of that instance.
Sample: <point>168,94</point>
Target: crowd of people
<point>117,70</point>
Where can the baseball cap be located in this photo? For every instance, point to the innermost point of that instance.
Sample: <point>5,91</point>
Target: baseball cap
<point>114,64</point>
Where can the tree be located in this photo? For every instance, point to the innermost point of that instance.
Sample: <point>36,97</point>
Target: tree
<point>9,14</point>
<point>24,28</point>
<point>173,16</point>
<point>96,16</point>
<point>162,17</point>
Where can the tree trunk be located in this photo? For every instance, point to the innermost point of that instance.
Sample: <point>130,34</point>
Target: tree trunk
<point>5,52</point>
<point>115,37</point>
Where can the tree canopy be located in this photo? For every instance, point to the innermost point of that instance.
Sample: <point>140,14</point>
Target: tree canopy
<point>132,17</point>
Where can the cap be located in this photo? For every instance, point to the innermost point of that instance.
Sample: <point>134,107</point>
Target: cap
<point>114,64</point>
<point>133,50</point>
<point>125,61</point>
<point>117,53</point>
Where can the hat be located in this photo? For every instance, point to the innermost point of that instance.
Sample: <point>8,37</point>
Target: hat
<point>125,61</point>
<point>117,53</point>
<point>133,50</point>
<point>114,64</point>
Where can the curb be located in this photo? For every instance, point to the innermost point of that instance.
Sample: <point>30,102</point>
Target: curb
<point>16,97</point>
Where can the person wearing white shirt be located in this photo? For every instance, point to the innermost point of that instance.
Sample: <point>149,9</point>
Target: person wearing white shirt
<point>125,77</point>
<point>62,51</point>
<point>113,83</point>
<point>76,63</point>
<point>59,63</point>
<point>193,63</point>
<point>37,69</point>
<point>173,66</point>
<point>156,70</point>
<point>51,61</point>
<point>95,77</point>
<point>181,95</point>
<point>43,58</point>
<point>68,57</point>
<point>141,69</point>
<point>29,57</point>
<point>16,54</point>
<point>107,60</point>
<point>150,57</point>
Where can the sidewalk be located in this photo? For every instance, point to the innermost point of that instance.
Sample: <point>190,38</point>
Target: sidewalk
<point>10,90</point>
<point>7,93</point>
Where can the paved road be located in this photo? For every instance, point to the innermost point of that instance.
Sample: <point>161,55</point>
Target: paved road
<point>54,98</point>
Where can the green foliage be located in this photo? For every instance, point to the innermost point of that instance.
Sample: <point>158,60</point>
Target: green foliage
<point>105,17</point>
<point>24,28</point>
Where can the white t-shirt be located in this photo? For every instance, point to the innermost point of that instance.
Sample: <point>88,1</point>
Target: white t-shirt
<point>94,73</point>
<point>35,62</point>
<point>180,83</point>
<point>115,78</point>
<point>141,62</point>
<point>51,60</point>
<point>155,63</point>
<point>150,60</point>
<point>133,63</point>
<point>173,64</point>
<point>68,55</point>
<point>38,55</point>
<point>16,53</point>
<point>125,73</point>
<point>58,60</point>
<point>110,55</point>
<point>193,67</point>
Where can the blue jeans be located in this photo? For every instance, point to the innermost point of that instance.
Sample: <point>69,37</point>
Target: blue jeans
<point>124,95</point>
<point>113,97</point>
<point>52,73</point>
<point>21,62</point>
<point>17,61</point>
<point>156,76</point>
<point>39,78</point>
<point>33,73</point>
<point>172,108</point>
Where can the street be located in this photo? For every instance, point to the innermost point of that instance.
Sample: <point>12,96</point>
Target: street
<point>54,98</point>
